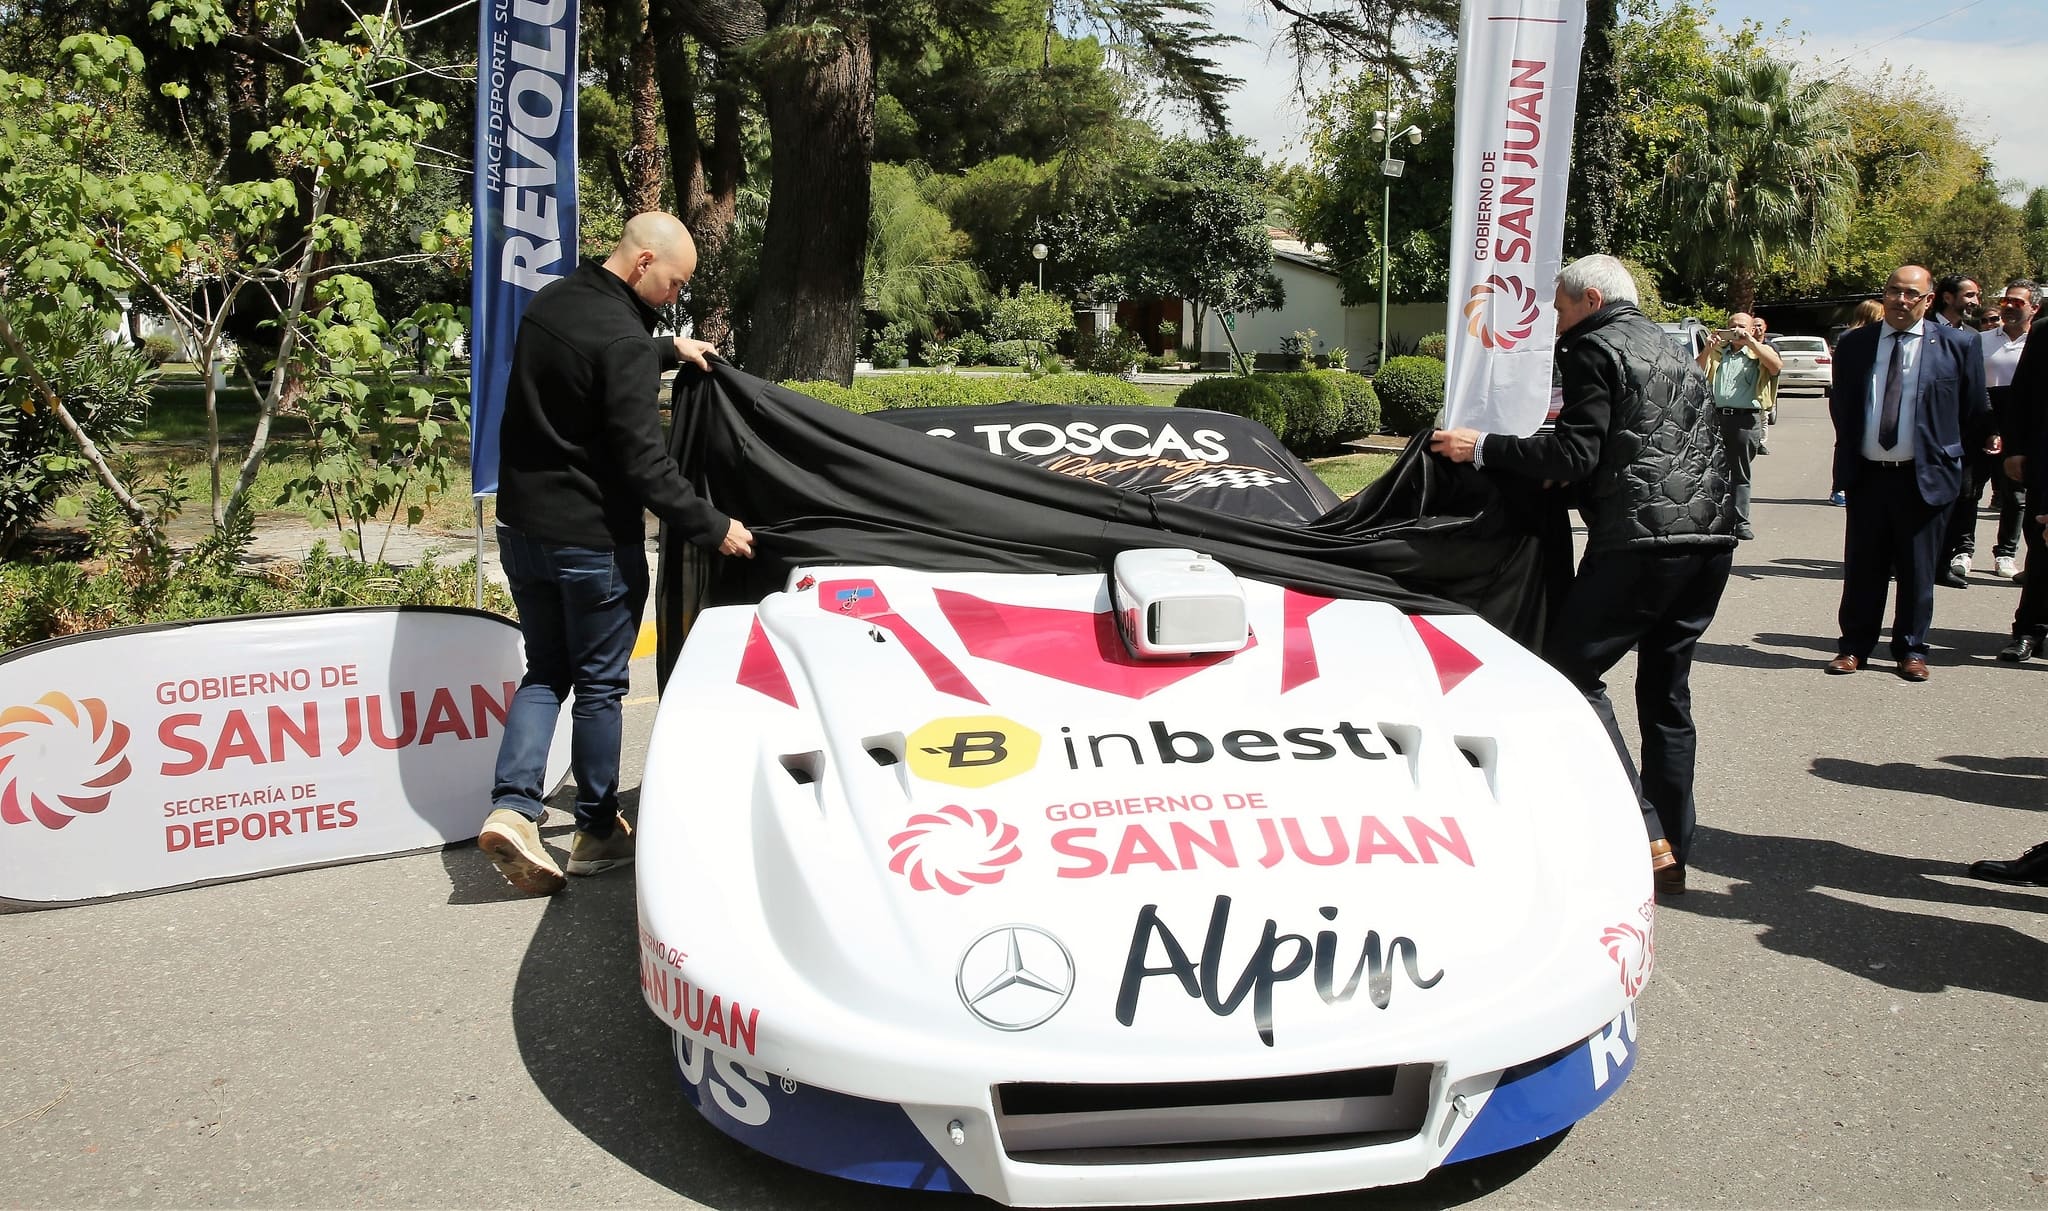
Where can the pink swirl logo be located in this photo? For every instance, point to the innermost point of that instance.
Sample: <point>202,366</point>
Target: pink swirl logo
<point>61,734</point>
<point>1631,950</point>
<point>1512,295</point>
<point>953,850</point>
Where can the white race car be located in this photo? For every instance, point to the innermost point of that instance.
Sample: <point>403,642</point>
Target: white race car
<point>1152,886</point>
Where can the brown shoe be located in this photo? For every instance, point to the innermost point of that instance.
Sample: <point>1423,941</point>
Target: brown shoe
<point>1844,665</point>
<point>1913,668</point>
<point>1665,872</point>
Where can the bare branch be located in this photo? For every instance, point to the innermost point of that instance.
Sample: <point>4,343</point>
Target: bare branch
<point>425,21</point>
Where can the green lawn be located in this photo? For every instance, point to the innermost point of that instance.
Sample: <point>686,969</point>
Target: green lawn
<point>1347,473</point>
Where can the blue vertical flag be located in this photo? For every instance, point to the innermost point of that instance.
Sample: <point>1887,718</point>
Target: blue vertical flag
<point>524,232</point>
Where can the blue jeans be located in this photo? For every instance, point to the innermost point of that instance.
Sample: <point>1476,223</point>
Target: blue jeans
<point>579,611</point>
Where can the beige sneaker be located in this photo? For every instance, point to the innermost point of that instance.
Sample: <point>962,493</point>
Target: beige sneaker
<point>512,843</point>
<point>590,855</point>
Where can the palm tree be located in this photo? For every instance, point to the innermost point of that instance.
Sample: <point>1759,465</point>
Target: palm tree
<point>1764,172</point>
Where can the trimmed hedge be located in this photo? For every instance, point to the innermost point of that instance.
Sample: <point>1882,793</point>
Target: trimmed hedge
<point>929,390</point>
<point>1239,396</point>
<point>1360,404</point>
<point>1314,409</point>
<point>1436,345</point>
<point>1077,390</point>
<point>1411,391</point>
<point>873,393</point>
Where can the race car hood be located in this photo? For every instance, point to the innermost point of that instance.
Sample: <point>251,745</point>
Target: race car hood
<point>958,802</point>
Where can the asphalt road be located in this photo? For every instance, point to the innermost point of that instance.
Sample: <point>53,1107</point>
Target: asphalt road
<point>1838,1018</point>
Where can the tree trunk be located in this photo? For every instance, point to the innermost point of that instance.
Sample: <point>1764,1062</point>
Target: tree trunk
<point>1596,139</point>
<point>1742,291</point>
<point>821,122</point>
<point>643,159</point>
<point>704,178</point>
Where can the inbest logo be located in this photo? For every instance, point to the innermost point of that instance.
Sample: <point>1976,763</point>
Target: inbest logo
<point>978,750</point>
<point>59,759</point>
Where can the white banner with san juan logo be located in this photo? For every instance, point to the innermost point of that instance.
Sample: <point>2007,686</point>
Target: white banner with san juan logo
<point>157,757</point>
<point>1518,84</point>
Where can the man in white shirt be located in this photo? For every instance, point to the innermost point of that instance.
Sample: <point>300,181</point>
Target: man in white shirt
<point>2002,346</point>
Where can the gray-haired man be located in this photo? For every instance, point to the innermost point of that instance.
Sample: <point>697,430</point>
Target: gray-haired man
<point>1636,437</point>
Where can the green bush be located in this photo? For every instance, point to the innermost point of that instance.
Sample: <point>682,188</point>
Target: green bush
<point>1314,410</point>
<point>1239,396</point>
<point>158,349</point>
<point>892,345</point>
<point>973,347</point>
<point>1113,352</point>
<point>1411,391</point>
<point>1360,404</point>
<point>829,392</point>
<point>1080,390</point>
<point>44,601</point>
<point>1029,314</point>
<point>1018,353</point>
<point>930,390</point>
<point>104,387</point>
<point>1435,345</point>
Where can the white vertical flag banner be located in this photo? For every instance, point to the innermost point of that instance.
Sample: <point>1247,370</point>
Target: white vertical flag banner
<point>1518,86</point>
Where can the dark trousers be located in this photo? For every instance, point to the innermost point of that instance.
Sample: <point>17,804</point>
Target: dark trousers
<point>2032,616</point>
<point>1891,534</point>
<point>1739,427</point>
<point>1659,603</point>
<point>579,612</point>
<point>2006,496</point>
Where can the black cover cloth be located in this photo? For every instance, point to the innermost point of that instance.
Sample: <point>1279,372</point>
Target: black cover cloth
<point>1212,459</point>
<point>821,486</point>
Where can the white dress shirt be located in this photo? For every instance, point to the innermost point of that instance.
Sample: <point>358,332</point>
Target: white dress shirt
<point>2001,356</point>
<point>1914,339</point>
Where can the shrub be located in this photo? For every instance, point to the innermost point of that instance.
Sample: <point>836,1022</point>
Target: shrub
<point>1300,348</point>
<point>1411,391</point>
<point>1029,314</point>
<point>828,392</point>
<point>1339,355</point>
<point>892,344</point>
<point>1080,390</point>
<point>158,349</point>
<point>1360,404</point>
<point>973,347</point>
<point>1314,410</point>
<point>1113,352</point>
<point>44,601</point>
<point>1018,353</point>
<point>941,353</point>
<point>929,390</point>
<point>104,387</point>
<point>1239,396</point>
<point>1435,345</point>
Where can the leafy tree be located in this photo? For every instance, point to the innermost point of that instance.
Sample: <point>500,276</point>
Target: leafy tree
<point>916,271</point>
<point>1763,172</point>
<point>87,228</point>
<point>1342,204</point>
<point>2035,217</point>
<point>1596,182</point>
<point>1975,232</point>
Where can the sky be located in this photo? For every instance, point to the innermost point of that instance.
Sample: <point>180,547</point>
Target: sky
<point>1990,52</point>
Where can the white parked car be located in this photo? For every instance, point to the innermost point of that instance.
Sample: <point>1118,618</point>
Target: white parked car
<point>1808,363</point>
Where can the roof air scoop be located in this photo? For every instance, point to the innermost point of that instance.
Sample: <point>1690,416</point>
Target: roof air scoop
<point>1175,603</point>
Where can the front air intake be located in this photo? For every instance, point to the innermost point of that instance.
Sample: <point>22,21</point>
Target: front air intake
<point>1135,1123</point>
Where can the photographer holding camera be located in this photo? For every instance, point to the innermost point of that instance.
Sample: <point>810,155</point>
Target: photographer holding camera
<point>1740,370</point>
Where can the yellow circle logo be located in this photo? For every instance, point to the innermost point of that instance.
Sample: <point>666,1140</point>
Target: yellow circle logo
<point>978,750</point>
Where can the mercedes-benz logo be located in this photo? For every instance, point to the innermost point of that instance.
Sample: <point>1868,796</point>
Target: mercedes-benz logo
<point>1015,977</point>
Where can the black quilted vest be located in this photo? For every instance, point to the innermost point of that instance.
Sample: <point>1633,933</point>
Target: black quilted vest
<point>1662,478</point>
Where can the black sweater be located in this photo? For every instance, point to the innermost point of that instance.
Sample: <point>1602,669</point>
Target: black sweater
<point>581,450</point>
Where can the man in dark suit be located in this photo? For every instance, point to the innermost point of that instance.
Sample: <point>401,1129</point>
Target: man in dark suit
<point>1909,395</point>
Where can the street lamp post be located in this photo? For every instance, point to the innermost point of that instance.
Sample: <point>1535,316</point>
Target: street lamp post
<point>1389,169</point>
<point>1038,252</point>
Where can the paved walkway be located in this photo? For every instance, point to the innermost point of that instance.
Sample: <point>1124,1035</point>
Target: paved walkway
<point>1838,1017</point>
